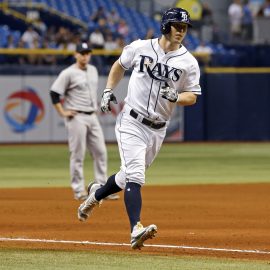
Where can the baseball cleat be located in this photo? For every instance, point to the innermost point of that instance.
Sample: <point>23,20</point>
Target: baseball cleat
<point>90,186</point>
<point>80,196</point>
<point>140,234</point>
<point>86,208</point>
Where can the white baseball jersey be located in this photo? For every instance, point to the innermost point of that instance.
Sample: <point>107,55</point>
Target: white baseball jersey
<point>152,68</point>
<point>79,88</point>
<point>138,143</point>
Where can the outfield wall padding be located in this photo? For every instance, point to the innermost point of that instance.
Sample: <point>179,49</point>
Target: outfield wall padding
<point>234,106</point>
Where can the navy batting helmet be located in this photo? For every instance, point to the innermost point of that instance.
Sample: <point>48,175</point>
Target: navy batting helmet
<point>173,15</point>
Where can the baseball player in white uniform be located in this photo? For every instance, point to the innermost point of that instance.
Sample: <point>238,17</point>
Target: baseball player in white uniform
<point>78,85</point>
<point>164,75</point>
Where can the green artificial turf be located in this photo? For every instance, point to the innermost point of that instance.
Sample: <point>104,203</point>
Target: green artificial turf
<point>184,163</point>
<point>15,259</point>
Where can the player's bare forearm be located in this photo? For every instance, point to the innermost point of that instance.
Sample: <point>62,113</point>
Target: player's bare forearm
<point>115,75</point>
<point>187,99</point>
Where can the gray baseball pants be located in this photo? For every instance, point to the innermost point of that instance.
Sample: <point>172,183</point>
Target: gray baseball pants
<point>84,132</point>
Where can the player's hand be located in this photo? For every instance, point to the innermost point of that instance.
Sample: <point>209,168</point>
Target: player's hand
<point>107,97</point>
<point>169,93</point>
<point>68,113</point>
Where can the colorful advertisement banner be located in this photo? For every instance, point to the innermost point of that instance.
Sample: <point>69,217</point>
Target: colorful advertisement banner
<point>27,114</point>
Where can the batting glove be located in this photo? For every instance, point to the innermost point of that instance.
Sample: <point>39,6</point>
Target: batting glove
<point>169,94</point>
<point>107,97</point>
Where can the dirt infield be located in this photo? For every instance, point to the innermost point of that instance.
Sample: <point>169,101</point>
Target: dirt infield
<point>208,216</point>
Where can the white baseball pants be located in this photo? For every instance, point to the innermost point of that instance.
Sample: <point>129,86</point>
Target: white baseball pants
<point>138,146</point>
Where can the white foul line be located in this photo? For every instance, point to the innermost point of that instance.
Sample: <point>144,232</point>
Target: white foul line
<point>124,244</point>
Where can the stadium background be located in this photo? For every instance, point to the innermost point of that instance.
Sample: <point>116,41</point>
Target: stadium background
<point>227,109</point>
<point>202,195</point>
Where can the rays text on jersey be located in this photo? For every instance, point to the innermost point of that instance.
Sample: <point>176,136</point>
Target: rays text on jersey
<point>160,71</point>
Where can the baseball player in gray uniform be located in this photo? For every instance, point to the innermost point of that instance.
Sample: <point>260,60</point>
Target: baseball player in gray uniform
<point>78,85</point>
<point>164,75</point>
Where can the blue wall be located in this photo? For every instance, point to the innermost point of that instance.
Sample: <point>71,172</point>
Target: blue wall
<point>235,105</point>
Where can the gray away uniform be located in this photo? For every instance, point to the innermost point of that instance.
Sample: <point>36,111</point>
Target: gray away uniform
<point>79,88</point>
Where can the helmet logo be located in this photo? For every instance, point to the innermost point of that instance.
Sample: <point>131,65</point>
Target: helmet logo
<point>184,16</point>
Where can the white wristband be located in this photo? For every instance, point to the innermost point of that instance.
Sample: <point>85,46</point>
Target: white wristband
<point>107,90</point>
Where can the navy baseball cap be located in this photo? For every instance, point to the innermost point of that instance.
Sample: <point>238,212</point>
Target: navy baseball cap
<point>83,48</point>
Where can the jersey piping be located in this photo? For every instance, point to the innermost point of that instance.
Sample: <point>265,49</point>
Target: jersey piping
<point>120,62</point>
<point>149,97</point>
<point>120,140</point>
<point>157,97</point>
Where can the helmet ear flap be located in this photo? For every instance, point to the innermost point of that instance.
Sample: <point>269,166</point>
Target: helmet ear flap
<point>165,28</point>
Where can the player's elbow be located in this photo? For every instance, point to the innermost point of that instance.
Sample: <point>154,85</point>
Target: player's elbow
<point>193,100</point>
<point>188,99</point>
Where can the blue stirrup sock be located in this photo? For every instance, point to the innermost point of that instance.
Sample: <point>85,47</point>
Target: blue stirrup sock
<point>133,202</point>
<point>109,188</point>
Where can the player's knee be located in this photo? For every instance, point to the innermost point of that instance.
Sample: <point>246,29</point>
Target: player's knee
<point>100,153</point>
<point>120,179</point>
<point>138,178</point>
<point>139,182</point>
<point>77,160</point>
